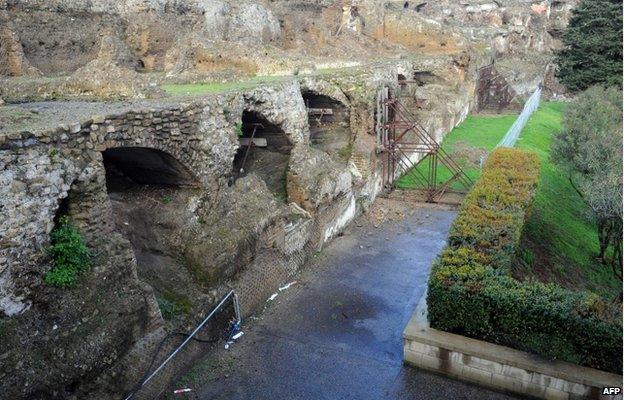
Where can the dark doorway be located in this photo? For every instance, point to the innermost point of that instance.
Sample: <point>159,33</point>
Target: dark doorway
<point>423,78</point>
<point>265,151</point>
<point>129,166</point>
<point>150,192</point>
<point>329,122</point>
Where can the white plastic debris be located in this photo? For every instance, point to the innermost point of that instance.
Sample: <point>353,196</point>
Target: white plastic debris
<point>287,286</point>
<point>273,296</point>
<point>233,339</point>
<point>180,391</point>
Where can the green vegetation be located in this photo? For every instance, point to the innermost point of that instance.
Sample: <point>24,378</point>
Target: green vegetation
<point>561,232</point>
<point>219,87</point>
<point>471,139</point>
<point>70,255</point>
<point>593,46</point>
<point>589,150</point>
<point>560,240</point>
<point>472,293</point>
<point>345,152</point>
<point>172,305</point>
<point>239,129</point>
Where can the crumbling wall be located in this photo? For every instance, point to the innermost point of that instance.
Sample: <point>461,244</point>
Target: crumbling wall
<point>237,233</point>
<point>235,229</point>
<point>68,31</point>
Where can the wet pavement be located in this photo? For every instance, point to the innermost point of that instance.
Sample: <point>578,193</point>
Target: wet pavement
<point>336,333</point>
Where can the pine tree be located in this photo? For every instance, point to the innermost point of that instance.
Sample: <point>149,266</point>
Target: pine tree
<point>593,46</point>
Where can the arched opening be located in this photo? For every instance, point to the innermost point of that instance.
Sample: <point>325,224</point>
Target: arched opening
<point>329,122</point>
<point>402,81</point>
<point>264,150</point>
<point>150,192</point>
<point>423,78</point>
<point>129,166</point>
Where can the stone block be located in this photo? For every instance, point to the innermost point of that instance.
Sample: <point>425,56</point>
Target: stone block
<point>554,394</point>
<point>483,364</point>
<point>476,375</point>
<point>419,347</point>
<point>503,382</point>
<point>74,128</point>
<point>412,357</point>
<point>547,381</point>
<point>430,363</point>
<point>576,388</point>
<point>516,373</point>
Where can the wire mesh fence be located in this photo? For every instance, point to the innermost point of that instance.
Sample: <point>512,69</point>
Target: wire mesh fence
<point>512,135</point>
<point>176,350</point>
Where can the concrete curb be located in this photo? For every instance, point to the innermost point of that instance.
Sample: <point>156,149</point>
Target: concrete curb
<point>499,367</point>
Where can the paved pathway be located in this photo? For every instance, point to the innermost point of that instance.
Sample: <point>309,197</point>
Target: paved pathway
<point>336,334</point>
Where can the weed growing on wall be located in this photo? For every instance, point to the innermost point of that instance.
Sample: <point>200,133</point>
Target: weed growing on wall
<point>70,255</point>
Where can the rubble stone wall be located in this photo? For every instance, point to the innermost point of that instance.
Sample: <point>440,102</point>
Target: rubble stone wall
<point>257,241</point>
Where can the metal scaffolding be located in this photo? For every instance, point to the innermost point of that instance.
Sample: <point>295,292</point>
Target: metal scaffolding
<point>407,145</point>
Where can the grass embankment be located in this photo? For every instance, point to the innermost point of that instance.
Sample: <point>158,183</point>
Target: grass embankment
<point>191,89</point>
<point>471,139</point>
<point>560,239</point>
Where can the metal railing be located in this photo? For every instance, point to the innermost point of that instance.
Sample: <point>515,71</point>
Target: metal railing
<point>512,135</point>
<point>190,337</point>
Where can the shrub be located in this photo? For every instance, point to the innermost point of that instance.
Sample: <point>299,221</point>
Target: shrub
<point>472,293</point>
<point>69,253</point>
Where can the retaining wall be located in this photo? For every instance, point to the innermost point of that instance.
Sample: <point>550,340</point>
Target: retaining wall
<point>498,367</point>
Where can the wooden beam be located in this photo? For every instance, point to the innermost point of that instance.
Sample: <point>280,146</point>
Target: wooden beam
<point>258,142</point>
<point>320,111</point>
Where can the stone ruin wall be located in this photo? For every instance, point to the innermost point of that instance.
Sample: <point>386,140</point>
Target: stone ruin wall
<point>42,168</point>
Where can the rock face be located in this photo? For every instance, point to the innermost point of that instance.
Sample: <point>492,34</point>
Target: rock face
<point>165,192</point>
<point>67,30</point>
<point>13,62</point>
<point>226,230</point>
<point>253,23</point>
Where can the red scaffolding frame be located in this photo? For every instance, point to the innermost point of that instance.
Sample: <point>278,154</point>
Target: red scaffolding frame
<point>407,145</point>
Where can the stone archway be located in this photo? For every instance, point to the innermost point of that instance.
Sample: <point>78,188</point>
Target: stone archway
<point>142,165</point>
<point>329,121</point>
<point>150,192</point>
<point>265,151</point>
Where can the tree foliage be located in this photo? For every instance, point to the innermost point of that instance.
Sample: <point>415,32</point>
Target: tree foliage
<point>590,150</point>
<point>593,46</point>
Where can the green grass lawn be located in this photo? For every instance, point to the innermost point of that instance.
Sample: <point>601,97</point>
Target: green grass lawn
<point>560,240</point>
<point>190,89</point>
<point>474,137</point>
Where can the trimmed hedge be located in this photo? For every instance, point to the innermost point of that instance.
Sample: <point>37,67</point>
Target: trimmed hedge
<point>472,293</point>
